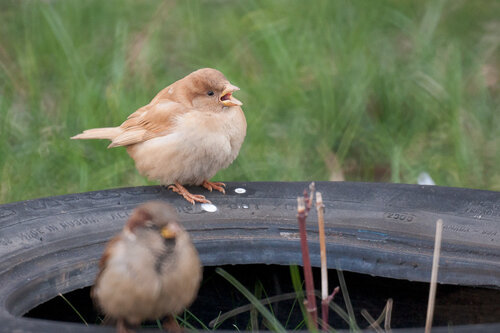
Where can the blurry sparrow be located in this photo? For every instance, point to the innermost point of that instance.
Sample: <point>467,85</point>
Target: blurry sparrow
<point>189,131</point>
<point>149,270</point>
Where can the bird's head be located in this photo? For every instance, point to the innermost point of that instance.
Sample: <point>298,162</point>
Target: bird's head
<point>154,217</point>
<point>208,89</point>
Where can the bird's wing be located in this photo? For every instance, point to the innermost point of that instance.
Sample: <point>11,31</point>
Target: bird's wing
<point>102,264</point>
<point>149,122</point>
<point>162,95</point>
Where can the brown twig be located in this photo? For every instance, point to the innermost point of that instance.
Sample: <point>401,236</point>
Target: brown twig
<point>325,305</point>
<point>434,275</point>
<point>310,303</point>
<point>312,189</point>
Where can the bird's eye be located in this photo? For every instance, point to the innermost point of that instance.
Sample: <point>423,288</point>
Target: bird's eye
<point>151,225</point>
<point>210,93</point>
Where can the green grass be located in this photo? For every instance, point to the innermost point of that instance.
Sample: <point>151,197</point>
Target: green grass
<point>380,90</point>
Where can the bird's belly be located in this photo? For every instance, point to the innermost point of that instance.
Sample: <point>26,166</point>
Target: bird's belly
<point>183,158</point>
<point>180,286</point>
<point>127,294</point>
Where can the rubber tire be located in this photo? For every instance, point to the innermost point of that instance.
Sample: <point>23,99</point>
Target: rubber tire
<point>52,245</point>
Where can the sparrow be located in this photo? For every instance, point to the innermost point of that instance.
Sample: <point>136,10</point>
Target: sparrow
<point>189,131</point>
<point>149,270</point>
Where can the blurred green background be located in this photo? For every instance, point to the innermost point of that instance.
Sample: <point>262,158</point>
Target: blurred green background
<point>354,90</point>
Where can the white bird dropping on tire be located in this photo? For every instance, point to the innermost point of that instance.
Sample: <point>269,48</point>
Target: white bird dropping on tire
<point>209,207</point>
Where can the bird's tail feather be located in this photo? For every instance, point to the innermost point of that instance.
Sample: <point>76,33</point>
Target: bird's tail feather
<point>99,133</point>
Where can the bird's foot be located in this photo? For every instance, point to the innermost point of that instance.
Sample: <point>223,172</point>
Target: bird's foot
<point>171,325</point>
<point>214,186</point>
<point>192,198</point>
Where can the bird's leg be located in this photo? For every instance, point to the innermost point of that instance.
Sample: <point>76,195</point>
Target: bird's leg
<point>171,325</point>
<point>121,327</point>
<point>214,186</point>
<point>192,198</point>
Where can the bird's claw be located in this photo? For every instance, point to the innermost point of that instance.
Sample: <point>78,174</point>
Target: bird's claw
<point>219,186</point>
<point>192,198</point>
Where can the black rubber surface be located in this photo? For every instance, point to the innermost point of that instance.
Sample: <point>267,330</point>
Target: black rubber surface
<point>52,245</point>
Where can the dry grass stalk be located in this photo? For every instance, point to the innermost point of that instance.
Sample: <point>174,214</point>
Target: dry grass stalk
<point>373,323</point>
<point>388,313</point>
<point>324,268</point>
<point>310,302</point>
<point>384,316</point>
<point>434,275</point>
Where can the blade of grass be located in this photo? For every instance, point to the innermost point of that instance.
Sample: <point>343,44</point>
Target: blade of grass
<point>74,309</point>
<point>185,323</point>
<point>341,312</point>
<point>198,320</point>
<point>278,298</point>
<point>274,324</point>
<point>271,308</point>
<point>248,307</point>
<point>298,287</point>
<point>254,320</point>
<point>216,322</point>
<point>300,325</point>
<point>347,300</point>
<point>291,312</point>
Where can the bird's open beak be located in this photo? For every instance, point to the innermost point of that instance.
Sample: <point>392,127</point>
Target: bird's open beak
<point>169,231</point>
<point>227,98</point>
